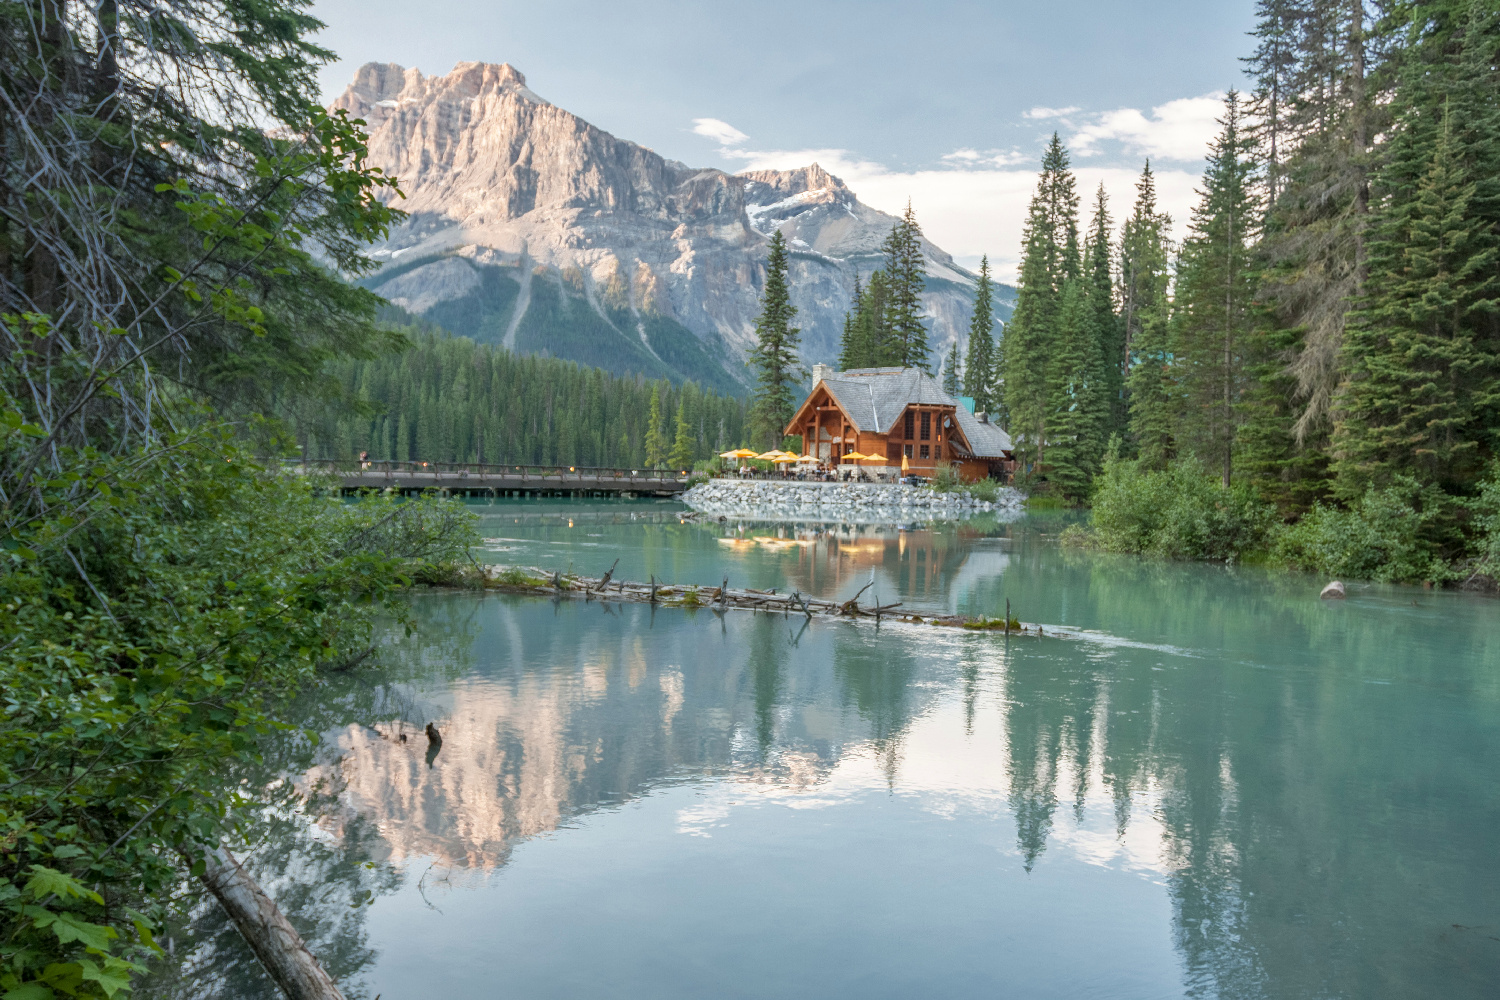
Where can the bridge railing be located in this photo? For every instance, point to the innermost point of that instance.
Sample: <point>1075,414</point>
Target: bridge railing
<point>483,471</point>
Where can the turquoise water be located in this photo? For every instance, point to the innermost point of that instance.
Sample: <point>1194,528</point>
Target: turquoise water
<point>1223,787</point>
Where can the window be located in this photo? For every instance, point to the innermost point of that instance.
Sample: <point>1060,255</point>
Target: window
<point>924,451</point>
<point>937,451</point>
<point>906,450</point>
<point>926,427</point>
<point>911,425</point>
<point>848,449</point>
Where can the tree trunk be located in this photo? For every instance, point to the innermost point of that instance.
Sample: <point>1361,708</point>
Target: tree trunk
<point>275,942</point>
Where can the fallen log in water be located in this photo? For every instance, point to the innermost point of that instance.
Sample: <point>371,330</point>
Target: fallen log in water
<point>534,580</point>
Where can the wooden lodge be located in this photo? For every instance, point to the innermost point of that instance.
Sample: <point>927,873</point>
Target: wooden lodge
<point>899,413</point>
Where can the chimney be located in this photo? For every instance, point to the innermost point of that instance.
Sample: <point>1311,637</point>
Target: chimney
<point>821,372</point>
<point>982,417</point>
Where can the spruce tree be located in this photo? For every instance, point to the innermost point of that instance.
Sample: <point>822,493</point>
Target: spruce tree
<point>1049,257</point>
<point>952,382</point>
<point>905,335</point>
<point>774,357</point>
<point>656,438</point>
<point>683,444</point>
<point>1422,352</point>
<point>979,372</point>
<point>854,346</point>
<point>871,332</point>
<point>1072,431</point>
<point>1144,278</point>
<point>1213,300</point>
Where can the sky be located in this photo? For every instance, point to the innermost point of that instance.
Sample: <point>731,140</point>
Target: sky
<point>947,104</point>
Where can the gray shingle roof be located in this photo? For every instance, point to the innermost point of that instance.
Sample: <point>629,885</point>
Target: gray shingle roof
<point>874,399</point>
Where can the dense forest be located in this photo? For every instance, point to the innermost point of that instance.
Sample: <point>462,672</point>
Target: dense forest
<point>448,399</point>
<point>1327,335</point>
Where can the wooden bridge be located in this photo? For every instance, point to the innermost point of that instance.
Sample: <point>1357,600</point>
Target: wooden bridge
<point>475,479</point>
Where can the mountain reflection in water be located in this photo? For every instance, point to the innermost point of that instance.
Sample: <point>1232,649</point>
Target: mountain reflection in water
<point>1230,789</point>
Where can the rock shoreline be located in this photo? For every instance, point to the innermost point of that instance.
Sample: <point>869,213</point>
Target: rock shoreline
<point>761,497</point>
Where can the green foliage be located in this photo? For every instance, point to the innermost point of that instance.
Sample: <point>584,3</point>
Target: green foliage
<point>952,377</point>
<point>148,635</point>
<point>447,399</point>
<point>1183,512</point>
<point>656,438</point>
<point>1049,257</point>
<point>864,329</point>
<point>1405,532</point>
<point>774,357</point>
<point>904,341</point>
<point>980,370</point>
<point>1149,405</point>
<point>1211,310</point>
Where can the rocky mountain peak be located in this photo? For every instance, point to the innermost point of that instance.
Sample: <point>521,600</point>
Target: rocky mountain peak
<point>532,228</point>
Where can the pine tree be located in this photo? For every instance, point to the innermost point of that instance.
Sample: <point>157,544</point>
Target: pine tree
<point>1423,350</point>
<point>1049,256</point>
<point>979,371</point>
<point>1214,293</point>
<point>1072,432</point>
<point>774,356</point>
<point>1152,385</point>
<point>952,381</point>
<point>870,331</point>
<point>905,340</point>
<point>683,444</point>
<point>1144,277</point>
<point>854,347</point>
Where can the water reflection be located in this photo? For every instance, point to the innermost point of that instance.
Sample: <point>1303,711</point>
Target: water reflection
<point>1306,790</point>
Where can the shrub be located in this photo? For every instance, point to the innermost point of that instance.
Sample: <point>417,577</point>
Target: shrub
<point>945,479</point>
<point>1180,513</point>
<point>985,489</point>
<point>1404,533</point>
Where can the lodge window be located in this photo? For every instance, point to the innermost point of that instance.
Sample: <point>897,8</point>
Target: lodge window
<point>911,425</point>
<point>926,427</point>
<point>924,451</point>
<point>848,449</point>
<point>937,451</point>
<point>906,450</point>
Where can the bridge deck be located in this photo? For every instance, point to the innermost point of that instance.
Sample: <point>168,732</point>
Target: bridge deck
<point>485,482</point>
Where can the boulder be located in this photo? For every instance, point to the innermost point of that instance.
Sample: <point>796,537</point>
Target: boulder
<point>1334,590</point>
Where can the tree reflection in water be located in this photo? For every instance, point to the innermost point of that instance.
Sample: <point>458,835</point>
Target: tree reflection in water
<point>1316,836</point>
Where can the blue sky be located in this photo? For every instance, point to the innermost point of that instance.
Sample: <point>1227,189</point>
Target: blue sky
<point>946,103</point>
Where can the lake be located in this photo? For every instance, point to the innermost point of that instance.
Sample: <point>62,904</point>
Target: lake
<point>1220,786</point>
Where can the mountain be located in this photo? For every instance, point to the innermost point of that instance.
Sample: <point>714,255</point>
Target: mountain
<point>531,228</point>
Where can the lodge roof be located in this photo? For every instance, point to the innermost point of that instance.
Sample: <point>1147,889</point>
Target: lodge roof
<point>875,398</point>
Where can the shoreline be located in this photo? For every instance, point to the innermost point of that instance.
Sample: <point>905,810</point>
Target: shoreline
<point>770,499</point>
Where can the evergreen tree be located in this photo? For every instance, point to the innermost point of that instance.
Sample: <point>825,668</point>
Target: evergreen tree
<point>774,356</point>
<point>952,383</point>
<point>1152,385</point>
<point>1423,351</point>
<point>870,330</point>
<point>855,346</point>
<point>1214,292</point>
<point>1144,278</point>
<point>1049,257</point>
<point>905,335</point>
<point>979,370</point>
<point>681,456</point>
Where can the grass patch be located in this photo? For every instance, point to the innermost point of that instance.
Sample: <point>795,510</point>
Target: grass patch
<point>993,624</point>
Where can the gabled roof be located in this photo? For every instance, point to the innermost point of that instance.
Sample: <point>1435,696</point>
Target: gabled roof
<point>874,399</point>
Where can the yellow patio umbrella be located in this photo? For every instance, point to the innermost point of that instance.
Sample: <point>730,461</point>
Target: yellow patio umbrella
<point>785,457</point>
<point>905,464</point>
<point>737,453</point>
<point>769,456</point>
<point>853,456</point>
<point>873,459</point>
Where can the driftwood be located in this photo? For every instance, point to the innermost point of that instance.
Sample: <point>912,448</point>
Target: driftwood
<point>275,942</point>
<point>722,598</point>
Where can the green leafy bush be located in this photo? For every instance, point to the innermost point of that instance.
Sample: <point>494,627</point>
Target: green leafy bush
<point>154,613</point>
<point>1405,532</point>
<point>1180,513</point>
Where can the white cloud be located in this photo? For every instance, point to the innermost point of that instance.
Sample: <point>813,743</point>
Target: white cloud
<point>721,132</point>
<point>1049,112</point>
<point>974,207</point>
<point>989,157</point>
<point>1177,130</point>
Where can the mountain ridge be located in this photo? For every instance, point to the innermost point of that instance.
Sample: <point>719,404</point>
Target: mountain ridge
<point>531,228</point>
